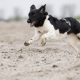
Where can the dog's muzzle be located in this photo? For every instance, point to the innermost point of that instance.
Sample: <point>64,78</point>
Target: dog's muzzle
<point>28,21</point>
<point>31,23</point>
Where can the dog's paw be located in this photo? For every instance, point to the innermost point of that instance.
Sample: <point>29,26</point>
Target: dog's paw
<point>26,44</point>
<point>43,41</point>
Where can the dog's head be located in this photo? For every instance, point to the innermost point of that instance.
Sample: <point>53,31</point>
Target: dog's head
<point>37,16</point>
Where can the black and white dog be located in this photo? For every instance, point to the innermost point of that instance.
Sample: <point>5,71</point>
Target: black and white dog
<point>47,26</point>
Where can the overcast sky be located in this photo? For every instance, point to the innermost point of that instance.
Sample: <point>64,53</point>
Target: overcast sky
<point>52,5</point>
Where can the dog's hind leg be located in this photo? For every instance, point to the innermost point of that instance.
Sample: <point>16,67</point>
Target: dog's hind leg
<point>73,40</point>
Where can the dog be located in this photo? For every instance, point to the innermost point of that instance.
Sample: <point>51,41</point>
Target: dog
<point>46,27</point>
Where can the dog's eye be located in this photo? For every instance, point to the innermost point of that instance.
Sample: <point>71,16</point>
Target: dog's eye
<point>33,13</point>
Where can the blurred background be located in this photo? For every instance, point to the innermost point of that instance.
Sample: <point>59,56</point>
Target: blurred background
<point>18,9</point>
<point>57,60</point>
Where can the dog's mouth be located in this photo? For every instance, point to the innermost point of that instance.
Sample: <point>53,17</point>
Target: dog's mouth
<point>33,23</point>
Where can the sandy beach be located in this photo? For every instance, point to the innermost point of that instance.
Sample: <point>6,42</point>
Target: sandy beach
<point>55,61</point>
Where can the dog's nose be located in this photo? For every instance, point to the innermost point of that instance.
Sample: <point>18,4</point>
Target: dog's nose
<point>28,21</point>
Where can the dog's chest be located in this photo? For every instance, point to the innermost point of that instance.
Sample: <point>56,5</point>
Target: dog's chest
<point>46,27</point>
<point>42,29</point>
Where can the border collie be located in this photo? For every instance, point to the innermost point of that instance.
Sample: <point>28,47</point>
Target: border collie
<point>47,26</point>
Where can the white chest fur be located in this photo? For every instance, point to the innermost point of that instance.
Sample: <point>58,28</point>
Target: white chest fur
<point>47,29</point>
<point>47,26</point>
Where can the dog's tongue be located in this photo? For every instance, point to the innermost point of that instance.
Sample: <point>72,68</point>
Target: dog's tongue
<point>32,24</point>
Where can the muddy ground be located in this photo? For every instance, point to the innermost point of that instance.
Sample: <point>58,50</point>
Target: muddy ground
<point>55,61</point>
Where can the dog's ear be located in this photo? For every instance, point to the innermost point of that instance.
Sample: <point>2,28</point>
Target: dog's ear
<point>42,8</point>
<point>32,7</point>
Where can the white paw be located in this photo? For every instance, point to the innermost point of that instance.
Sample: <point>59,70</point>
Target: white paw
<point>43,41</point>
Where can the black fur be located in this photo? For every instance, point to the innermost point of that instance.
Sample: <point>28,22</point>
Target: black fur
<point>32,7</point>
<point>75,25</point>
<point>37,16</point>
<point>63,26</point>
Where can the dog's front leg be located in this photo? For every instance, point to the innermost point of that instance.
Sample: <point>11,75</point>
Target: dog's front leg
<point>43,39</point>
<point>50,35</point>
<point>33,39</point>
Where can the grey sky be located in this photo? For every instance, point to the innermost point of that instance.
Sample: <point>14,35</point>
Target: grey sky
<point>52,5</point>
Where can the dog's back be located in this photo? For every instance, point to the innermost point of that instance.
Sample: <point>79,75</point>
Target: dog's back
<point>68,24</point>
<point>75,25</point>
